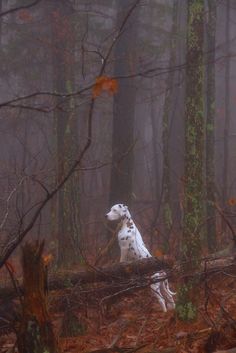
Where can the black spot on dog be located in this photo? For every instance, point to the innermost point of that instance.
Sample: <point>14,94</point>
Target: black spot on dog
<point>126,238</point>
<point>146,255</point>
<point>129,231</point>
<point>120,206</point>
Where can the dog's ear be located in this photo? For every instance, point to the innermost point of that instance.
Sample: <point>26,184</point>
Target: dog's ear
<point>124,211</point>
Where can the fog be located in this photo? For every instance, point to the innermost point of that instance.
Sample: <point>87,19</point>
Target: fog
<point>52,55</point>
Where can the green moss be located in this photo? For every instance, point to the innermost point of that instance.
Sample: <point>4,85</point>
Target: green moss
<point>186,311</point>
<point>196,12</point>
<point>194,158</point>
<point>167,215</point>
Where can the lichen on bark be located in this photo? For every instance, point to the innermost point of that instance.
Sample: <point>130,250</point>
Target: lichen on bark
<point>194,147</point>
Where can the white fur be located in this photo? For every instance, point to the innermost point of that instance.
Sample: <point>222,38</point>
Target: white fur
<point>132,248</point>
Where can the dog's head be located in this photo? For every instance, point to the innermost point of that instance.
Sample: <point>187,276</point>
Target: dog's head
<point>118,212</point>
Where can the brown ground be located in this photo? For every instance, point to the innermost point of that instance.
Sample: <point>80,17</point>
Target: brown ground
<point>136,323</point>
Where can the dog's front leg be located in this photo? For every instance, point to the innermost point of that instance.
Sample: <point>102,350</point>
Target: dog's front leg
<point>156,290</point>
<point>123,255</point>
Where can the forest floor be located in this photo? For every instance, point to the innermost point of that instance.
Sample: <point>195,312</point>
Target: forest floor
<point>135,323</point>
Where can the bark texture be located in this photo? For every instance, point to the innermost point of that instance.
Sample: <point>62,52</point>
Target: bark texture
<point>194,137</point>
<point>35,334</point>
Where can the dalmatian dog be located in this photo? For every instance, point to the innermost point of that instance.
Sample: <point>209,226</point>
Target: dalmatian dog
<point>132,248</point>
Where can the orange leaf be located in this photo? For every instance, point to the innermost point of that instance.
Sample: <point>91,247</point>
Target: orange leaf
<point>104,83</point>
<point>47,259</point>
<point>158,253</point>
<point>25,16</point>
<point>232,201</point>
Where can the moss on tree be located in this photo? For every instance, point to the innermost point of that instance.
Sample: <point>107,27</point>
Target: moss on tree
<point>194,144</point>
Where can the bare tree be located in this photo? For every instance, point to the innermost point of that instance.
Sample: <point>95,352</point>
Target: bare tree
<point>124,109</point>
<point>225,194</point>
<point>67,213</point>
<point>168,112</point>
<point>210,124</point>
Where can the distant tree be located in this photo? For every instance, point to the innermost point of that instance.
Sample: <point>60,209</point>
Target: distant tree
<point>123,109</point>
<point>225,194</point>
<point>168,193</point>
<point>176,131</point>
<point>0,23</point>
<point>166,126</point>
<point>67,205</point>
<point>193,178</point>
<point>210,124</point>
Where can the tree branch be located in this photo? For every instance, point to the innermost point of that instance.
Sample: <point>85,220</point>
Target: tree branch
<point>23,7</point>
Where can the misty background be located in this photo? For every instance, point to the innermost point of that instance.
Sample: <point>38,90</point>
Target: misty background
<point>51,55</point>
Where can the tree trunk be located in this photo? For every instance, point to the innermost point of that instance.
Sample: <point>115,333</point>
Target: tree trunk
<point>123,111</point>
<point>193,178</point>
<point>35,334</point>
<point>210,125</point>
<point>176,130</point>
<point>166,122</point>
<point>0,24</point>
<point>123,116</point>
<point>227,109</point>
<point>67,215</point>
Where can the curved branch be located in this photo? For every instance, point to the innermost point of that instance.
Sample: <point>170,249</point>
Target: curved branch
<point>15,9</point>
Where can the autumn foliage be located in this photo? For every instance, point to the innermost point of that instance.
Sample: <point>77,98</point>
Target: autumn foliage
<point>232,201</point>
<point>104,84</point>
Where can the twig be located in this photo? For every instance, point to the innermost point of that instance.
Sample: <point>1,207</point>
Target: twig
<point>8,201</point>
<point>118,336</point>
<point>227,222</point>
<point>15,9</point>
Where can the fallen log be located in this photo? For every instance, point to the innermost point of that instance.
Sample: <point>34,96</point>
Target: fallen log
<point>124,271</point>
<point>111,273</point>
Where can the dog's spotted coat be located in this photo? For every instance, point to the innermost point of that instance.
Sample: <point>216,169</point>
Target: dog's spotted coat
<point>132,248</point>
